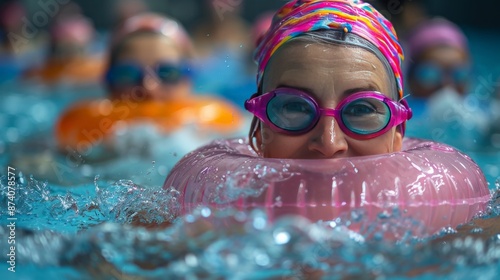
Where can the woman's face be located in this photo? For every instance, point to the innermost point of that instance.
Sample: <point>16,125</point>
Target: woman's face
<point>147,50</point>
<point>437,68</point>
<point>328,73</point>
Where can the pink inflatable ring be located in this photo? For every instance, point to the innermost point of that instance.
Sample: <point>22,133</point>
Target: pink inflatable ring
<point>427,181</point>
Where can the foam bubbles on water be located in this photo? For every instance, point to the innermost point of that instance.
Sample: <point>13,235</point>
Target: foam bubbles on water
<point>248,182</point>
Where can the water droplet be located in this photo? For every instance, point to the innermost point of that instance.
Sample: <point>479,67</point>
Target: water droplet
<point>278,202</point>
<point>259,223</point>
<point>205,212</point>
<point>189,218</point>
<point>262,259</point>
<point>191,260</point>
<point>476,230</point>
<point>240,216</point>
<point>281,237</point>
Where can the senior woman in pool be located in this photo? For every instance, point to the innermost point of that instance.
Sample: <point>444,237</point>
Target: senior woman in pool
<point>329,83</point>
<point>330,86</point>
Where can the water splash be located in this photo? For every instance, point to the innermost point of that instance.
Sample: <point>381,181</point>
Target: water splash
<point>92,232</point>
<point>232,244</point>
<point>40,206</point>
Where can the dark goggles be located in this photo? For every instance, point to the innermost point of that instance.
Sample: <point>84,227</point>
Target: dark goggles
<point>432,75</point>
<point>131,74</point>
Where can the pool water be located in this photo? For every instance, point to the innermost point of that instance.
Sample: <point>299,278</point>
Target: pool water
<point>78,221</point>
<point>85,232</point>
<point>88,229</point>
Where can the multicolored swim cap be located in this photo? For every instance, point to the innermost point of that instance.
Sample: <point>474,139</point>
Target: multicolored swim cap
<point>350,16</point>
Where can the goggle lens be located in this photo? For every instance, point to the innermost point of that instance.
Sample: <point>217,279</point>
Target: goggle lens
<point>169,74</point>
<point>126,75</point>
<point>366,115</point>
<point>297,114</point>
<point>431,75</point>
<point>290,112</point>
<point>362,115</point>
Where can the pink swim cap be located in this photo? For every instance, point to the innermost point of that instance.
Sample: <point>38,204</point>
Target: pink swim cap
<point>76,29</point>
<point>350,16</point>
<point>436,32</point>
<point>11,14</point>
<point>155,23</point>
<point>262,24</point>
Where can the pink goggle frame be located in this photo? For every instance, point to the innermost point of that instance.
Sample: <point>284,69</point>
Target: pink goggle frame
<point>399,112</point>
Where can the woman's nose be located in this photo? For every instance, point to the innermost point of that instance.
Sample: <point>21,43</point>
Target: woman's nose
<point>327,138</point>
<point>150,81</point>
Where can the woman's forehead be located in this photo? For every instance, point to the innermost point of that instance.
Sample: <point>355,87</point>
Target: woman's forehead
<point>325,68</point>
<point>444,55</point>
<point>149,49</point>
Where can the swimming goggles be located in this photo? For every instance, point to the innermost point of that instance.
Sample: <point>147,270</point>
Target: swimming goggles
<point>131,74</point>
<point>432,75</point>
<point>362,115</point>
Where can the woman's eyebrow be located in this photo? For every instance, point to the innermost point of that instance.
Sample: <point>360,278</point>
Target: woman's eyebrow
<point>360,89</point>
<point>346,93</point>
<point>304,89</point>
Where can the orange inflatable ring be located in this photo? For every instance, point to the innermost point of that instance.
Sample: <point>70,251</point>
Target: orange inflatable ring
<point>89,123</point>
<point>83,70</point>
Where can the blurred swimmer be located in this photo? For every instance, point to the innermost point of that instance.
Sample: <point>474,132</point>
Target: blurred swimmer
<point>149,81</point>
<point>438,59</point>
<point>149,58</point>
<point>68,59</point>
